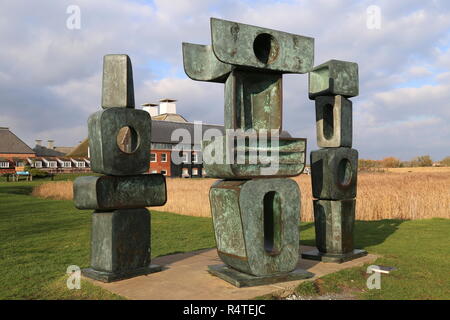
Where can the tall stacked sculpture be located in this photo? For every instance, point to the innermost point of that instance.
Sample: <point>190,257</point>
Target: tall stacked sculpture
<point>120,240</point>
<point>334,168</point>
<point>255,211</point>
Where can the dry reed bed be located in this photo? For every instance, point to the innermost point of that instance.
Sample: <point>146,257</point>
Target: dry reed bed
<point>415,195</point>
<point>60,190</point>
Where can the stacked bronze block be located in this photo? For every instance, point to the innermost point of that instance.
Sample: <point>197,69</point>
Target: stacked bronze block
<point>255,210</point>
<point>119,143</point>
<point>334,168</point>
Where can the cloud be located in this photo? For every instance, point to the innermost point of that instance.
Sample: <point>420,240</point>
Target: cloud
<point>50,76</point>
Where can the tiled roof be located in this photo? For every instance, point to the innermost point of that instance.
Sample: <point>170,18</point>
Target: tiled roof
<point>162,130</point>
<point>80,150</point>
<point>42,151</point>
<point>10,143</point>
<point>175,117</point>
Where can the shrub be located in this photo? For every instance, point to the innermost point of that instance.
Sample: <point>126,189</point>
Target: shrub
<point>390,162</point>
<point>422,161</point>
<point>446,161</point>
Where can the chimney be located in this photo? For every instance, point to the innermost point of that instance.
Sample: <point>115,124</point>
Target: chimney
<point>167,106</point>
<point>151,108</point>
<point>38,142</point>
<point>50,144</point>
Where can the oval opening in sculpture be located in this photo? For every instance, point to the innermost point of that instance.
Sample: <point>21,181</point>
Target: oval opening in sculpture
<point>328,121</point>
<point>344,172</point>
<point>266,48</point>
<point>272,223</point>
<point>127,140</point>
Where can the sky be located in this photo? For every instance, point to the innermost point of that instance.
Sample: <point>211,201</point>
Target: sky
<point>51,66</point>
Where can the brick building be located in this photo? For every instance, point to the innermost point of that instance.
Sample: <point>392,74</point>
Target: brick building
<point>13,152</point>
<point>164,145</point>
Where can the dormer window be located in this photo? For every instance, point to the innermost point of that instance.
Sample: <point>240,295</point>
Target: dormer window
<point>4,164</point>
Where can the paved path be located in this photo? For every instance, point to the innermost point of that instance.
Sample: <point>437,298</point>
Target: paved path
<point>185,277</point>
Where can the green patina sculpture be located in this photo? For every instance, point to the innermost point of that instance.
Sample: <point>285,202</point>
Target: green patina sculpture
<point>334,224</point>
<point>334,173</point>
<point>334,168</point>
<point>333,121</point>
<point>256,212</point>
<point>125,192</point>
<point>250,61</point>
<point>120,240</point>
<point>250,208</point>
<point>333,78</point>
<point>256,224</point>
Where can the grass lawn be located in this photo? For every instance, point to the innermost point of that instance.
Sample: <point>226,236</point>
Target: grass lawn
<point>40,238</point>
<point>419,249</point>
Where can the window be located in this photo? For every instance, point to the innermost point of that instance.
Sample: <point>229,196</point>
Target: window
<point>152,157</point>
<point>164,172</point>
<point>195,172</point>
<point>185,172</point>
<point>163,157</point>
<point>38,164</point>
<point>52,164</point>
<point>194,158</point>
<point>20,164</point>
<point>67,164</point>
<point>80,164</point>
<point>4,164</point>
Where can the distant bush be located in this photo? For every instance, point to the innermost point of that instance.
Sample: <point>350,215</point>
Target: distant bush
<point>368,164</point>
<point>391,162</point>
<point>422,161</point>
<point>445,162</point>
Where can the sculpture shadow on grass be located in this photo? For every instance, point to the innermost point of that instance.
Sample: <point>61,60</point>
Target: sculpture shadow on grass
<point>367,233</point>
<point>371,233</point>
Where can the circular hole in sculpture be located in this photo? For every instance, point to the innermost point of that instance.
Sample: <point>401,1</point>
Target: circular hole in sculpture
<point>127,140</point>
<point>344,172</point>
<point>266,48</point>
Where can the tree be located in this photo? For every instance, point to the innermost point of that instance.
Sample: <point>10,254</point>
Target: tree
<point>422,161</point>
<point>446,161</point>
<point>390,162</point>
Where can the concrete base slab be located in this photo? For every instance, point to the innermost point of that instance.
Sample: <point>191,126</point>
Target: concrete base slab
<point>185,276</point>
<point>336,258</point>
<point>105,276</point>
<point>240,279</point>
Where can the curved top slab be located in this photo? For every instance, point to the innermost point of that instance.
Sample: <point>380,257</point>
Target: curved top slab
<point>201,64</point>
<point>249,46</point>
